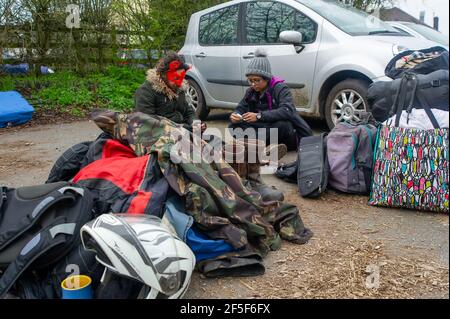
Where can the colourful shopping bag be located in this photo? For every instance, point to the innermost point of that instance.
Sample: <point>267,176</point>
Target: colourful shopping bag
<point>411,165</point>
<point>411,169</point>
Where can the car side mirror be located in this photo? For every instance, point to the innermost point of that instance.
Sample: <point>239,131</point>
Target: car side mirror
<point>293,37</point>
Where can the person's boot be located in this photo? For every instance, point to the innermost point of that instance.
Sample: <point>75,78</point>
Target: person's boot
<point>255,183</point>
<point>234,154</point>
<point>257,148</point>
<point>254,148</point>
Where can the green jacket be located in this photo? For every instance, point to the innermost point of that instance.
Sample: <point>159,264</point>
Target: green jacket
<point>154,97</point>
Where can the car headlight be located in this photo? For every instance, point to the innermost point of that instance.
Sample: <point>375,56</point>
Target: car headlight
<point>397,49</point>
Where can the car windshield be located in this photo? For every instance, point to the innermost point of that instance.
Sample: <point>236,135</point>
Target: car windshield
<point>349,19</point>
<point>402,30</point>
<point>429,33</point>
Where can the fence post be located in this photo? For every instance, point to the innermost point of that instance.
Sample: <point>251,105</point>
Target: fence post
<point>114,44</point>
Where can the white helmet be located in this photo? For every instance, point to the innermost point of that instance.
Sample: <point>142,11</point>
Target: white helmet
<point>141,248</point>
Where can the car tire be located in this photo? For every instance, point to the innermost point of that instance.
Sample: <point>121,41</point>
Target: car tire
<point>196,99</point>
<point>339,108</point>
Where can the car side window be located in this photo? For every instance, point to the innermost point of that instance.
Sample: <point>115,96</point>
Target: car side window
<point>265,21</point>
<point>220,27</point>
<point>306,26</point>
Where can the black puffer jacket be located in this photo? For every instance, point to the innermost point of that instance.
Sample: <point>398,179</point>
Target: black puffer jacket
<point>282,107</point>
<point>154,97</point>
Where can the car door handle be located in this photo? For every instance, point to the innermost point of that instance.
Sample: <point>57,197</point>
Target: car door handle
<point>201,55</point>
<point>251,55</point>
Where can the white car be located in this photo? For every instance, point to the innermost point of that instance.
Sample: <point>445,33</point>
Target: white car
<point>421,31</point>
<point>328,53</point>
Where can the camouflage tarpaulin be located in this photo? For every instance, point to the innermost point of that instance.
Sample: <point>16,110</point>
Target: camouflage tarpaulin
<point>214,194</point>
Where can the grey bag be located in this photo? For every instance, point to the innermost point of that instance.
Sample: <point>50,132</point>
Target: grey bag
<point>350,149</point>
<point>313,168</point>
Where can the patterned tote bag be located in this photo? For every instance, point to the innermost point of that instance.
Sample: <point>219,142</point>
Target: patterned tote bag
<point>411,166</point>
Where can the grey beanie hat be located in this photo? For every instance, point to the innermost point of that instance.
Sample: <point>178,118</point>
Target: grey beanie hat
<point>259,65</point>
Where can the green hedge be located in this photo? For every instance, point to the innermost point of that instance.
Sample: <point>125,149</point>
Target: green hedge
<point>69,92</point>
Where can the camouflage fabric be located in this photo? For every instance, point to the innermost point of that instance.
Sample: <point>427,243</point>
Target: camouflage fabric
<point>214,194</point>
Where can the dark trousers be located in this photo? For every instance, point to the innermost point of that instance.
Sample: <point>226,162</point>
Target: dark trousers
<point>286,132</point>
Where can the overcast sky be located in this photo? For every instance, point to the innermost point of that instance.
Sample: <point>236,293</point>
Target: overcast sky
<point>438,8</point>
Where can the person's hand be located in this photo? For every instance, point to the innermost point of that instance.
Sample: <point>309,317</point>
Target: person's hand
<point>235,118</point>
<point>203,127</point>
<point>250,117</point>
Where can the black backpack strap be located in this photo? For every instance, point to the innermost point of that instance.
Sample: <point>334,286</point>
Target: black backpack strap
<point>35,248</point>
<point>415,84</point>
<point>401,98</point>
<point>417,93</point>
<point>424,103</point>
<point>27,222</point>
<point>396,101</point>
<point>2,197</point>
<point>427,108</point>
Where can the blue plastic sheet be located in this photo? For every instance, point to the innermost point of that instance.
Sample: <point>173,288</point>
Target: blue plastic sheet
<point>22,68</point>
<point>14,109</point>
<point>202,246</point>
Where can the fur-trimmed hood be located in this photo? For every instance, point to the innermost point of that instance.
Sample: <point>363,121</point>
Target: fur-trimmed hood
<point>160,86</point>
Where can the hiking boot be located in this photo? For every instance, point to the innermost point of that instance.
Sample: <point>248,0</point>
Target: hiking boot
<point>255,183</point>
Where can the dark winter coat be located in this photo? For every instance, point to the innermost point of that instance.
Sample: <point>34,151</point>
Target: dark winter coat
<point>154,97</point>
<point>276,104</point>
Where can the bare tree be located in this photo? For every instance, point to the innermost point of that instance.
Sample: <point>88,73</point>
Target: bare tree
<point>41,21</point>
<point>158,25</point>
<point>367,5</point>
<point>153,25</point>
<point>47,40</point>
<point>95,32</point>
<point>10,17</point>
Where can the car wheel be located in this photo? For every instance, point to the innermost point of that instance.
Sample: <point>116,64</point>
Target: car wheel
<point>195,98</point>
<point>346,101</point>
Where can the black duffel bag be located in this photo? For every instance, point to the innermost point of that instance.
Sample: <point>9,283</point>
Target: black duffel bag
<point>424,61</point>
<point>432,87</point>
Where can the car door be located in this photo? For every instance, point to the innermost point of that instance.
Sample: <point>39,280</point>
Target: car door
<point>217,55</point>
<point>264,21</point>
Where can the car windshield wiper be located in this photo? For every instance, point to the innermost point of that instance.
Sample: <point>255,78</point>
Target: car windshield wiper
<point>383,32</point>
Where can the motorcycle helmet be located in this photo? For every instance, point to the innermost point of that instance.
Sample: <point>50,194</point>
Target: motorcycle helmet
<point>141,249</point>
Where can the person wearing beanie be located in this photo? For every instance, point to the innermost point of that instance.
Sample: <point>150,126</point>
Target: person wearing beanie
<point>164,92</point>
<point>268,104</point>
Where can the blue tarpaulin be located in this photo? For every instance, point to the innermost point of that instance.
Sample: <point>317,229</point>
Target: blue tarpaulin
<point>203,247</point>
<point>14,109</point>
<point>22,68</point>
